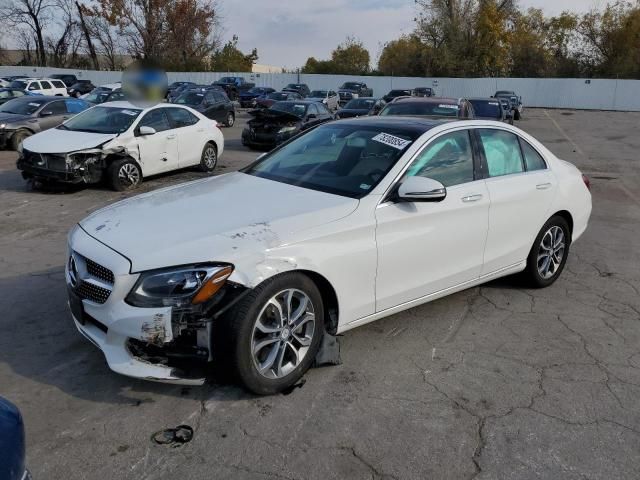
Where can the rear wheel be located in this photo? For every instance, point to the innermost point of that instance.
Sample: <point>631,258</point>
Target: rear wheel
<point>209,158</point>
<point>549,253</point>
<point>516,115</point>
<point>124,174</point>
<point>274,334</point>
<point>18,137</point>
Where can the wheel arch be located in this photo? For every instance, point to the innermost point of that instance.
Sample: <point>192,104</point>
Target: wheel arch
<point>329,299</point>
<point>567,216</point>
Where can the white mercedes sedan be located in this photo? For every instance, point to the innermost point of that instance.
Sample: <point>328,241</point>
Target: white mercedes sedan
<point>345,224</point>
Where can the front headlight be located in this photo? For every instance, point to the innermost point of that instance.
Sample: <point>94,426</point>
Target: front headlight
<point>178,287</point>
<point>2,125</point>
<point>287,129</point>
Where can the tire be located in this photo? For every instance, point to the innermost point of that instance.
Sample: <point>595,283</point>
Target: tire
<point>209,158</point>
<point>18,137</point>
<point>255,321</point>
<point>231,119</point>
<point>516,115</point>
<point>124,174</point>
<point>545,264</point>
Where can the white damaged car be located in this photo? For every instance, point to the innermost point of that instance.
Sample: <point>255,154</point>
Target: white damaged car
<point>350,222</point>
<point>122,143</point>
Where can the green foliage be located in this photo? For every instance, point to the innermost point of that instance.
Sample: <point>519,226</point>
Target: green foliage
<point>349,58</point>
<point>230,59</point>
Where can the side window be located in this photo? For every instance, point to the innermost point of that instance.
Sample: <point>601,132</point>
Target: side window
<point>532,158</point>
<point>5,93</point>
<point>502,151</point>
<point>180,117</point>
<point>322,108</point>
<point>312,110</point>
<point>210,98</point>
<point>220,97</point>
<point>448,159</point>
<point>155,119</point>
<point>34,86</point>
<point>56,108</point>
<point>45,85</point>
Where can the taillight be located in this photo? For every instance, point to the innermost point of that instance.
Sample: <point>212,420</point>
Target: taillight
<point>586,181</point>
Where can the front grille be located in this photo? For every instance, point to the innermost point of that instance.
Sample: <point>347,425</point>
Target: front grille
<point>45,160</point>
<point>88,279</point>
<point>92,292</point>
<point>96,270</point>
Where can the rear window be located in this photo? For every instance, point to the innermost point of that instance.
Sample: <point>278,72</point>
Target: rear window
<point>427,109</point>
<point>296,109</point>
<point>190,98</point>
<point>486,108</point>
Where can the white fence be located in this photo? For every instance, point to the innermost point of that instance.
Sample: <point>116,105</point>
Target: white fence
<point>594,94</point>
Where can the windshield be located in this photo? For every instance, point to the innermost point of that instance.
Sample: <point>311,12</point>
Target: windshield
<point>487,108</point>
<point>102,120</point>
<point>190,98</point>
<point>318,94</point>
<point>295,86</point>
<point>398,93</point>
<point>296,109</point>
<point>350,86</point>
<point>278,96</point>
<point>98,96</point>
<point>343,159</point>
<point>19,84</point>
<point>227,80</point>
<point>20,107</point>
<point>360,103</point>
<point>426,109</point>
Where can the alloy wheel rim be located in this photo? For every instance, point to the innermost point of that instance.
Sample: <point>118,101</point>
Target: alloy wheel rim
<point>230,120</point>
<point>282,333</point>
<point>551,252</point>
<point>129,174</point>
<point>210,157</point>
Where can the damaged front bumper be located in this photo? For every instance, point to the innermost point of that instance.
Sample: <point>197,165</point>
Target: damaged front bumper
<point>163,344</point>
<point>77,167</point>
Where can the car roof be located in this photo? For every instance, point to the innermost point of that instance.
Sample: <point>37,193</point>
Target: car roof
<point>417,124</point>
<point>141,106</point>
<point>483,99</point>
<point>445,100</point>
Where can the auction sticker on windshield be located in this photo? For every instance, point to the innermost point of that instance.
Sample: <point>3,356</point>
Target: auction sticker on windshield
<point>391,140</point>
<point>130,112</point>
<point>444,105</point>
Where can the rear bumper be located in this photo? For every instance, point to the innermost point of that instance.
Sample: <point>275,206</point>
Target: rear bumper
<point>264,140</point>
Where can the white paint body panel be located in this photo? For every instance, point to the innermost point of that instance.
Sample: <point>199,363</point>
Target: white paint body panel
<point>161,152</point>
<point>380,258</point>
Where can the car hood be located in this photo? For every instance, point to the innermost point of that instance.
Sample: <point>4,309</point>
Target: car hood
<point>230,218</point>
<point>268,114</point>
<point>56,140</point>
<point>13,118</point>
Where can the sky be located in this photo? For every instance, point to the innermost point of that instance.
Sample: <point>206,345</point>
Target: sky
<point>287,32</point>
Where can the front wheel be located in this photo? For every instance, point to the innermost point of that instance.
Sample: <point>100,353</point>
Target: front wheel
<point>231,119</point>
<point>124,174</point>
<point>209,158</point>
<point>549,253</point>
<point>274,334</point>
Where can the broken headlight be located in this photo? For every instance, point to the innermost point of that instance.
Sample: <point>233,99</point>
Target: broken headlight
<point>178,287</point>
<point>288,129</point>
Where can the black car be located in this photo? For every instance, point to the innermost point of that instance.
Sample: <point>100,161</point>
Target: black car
<point>176,88</point>
<point>432,107</point>
<point>12,443</point>
<point>490,109</point>
<point>397,93</point>
<point>248,98</point>
<point>211,102</point>
<point>270,98</point>
<point>424,92</point>
<point>359,107</point>
<point>515,100</point>
<point>65,77</point>
<point>272,126</point>
<point>300,88</point>
<point>80,88</point>
<point>10,93</point>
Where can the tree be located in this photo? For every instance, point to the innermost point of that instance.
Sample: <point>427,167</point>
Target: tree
<point>406,57</point>
<point>29,17</point>
<point>350,58</point>
<point>230,59</point>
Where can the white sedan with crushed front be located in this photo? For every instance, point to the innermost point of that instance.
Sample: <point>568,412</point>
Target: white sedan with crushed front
<point>350,222</point>
<point>122,143</point>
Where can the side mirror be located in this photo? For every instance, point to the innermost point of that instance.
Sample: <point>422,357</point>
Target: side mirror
<point>421,189</point>
<point>144,130</point>
<point>46,113</point>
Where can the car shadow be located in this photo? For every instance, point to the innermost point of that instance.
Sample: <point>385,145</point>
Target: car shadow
<point>40,343</point>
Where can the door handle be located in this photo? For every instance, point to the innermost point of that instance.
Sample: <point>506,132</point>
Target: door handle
<point>472,198</point>
<point>543,186</point>
<point>172,136</point>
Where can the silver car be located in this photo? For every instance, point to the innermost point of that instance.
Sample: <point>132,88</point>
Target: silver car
<point>328,97</point>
